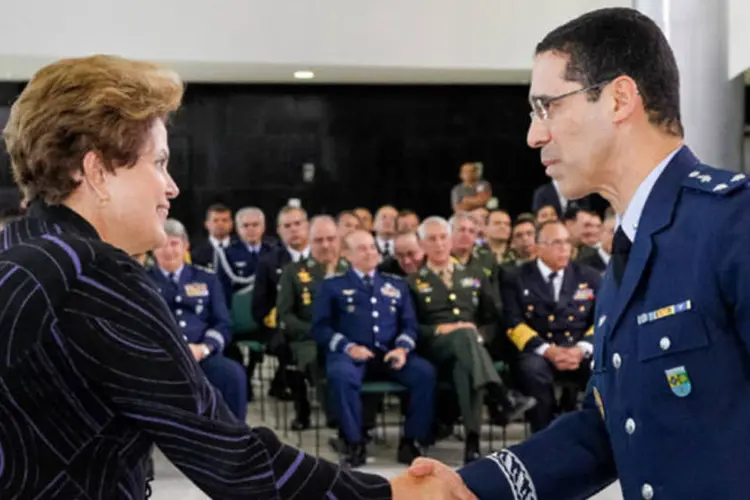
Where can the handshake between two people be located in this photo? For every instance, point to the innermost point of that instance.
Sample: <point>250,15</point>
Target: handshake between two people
<point>429,479</point>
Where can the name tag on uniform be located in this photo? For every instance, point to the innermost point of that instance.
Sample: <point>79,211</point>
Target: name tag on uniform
<point>196,290</point>
<point>391,291</point>
<point>240,264</point>
<point>664,312</point>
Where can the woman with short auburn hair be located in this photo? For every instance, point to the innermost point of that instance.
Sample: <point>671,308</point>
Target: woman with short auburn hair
<point>93,368</point>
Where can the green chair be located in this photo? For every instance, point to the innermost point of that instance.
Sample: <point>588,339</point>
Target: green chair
<point>244,324</point>
<point>384,388</point>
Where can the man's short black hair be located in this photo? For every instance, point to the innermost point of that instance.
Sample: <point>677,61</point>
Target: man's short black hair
<point>608,43</point>
<point>219,208</point>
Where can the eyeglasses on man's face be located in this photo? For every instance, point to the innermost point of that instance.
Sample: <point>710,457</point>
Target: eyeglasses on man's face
<point>540,104</point>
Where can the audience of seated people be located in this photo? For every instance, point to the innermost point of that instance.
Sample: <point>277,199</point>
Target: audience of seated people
<point>348,299</point>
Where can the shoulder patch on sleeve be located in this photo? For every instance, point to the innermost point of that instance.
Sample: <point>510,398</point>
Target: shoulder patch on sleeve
<point>715,180</point>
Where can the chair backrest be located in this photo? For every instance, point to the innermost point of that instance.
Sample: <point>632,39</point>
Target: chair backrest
<point>242,316</point>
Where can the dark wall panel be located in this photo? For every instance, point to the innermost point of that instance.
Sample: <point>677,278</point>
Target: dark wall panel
<point>370,145</point>
<point>247,144</point>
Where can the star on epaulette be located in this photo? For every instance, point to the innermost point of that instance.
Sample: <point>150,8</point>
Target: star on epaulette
<point>715,180</point>
<point>204,269</point>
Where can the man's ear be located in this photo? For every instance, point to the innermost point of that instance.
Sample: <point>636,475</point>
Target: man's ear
<point>94,175</point>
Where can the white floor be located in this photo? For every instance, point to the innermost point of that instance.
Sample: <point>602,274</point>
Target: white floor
<point>170,484</point>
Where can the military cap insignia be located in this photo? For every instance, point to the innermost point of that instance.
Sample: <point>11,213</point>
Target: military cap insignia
<point>679,381</point>
<point>304,276</point>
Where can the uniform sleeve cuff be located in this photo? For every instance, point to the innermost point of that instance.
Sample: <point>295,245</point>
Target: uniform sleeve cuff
<point>405,342</point>
<point>586,347</point>
<point>215,340</point>
<point>339,343</point>
<point>542,349</point>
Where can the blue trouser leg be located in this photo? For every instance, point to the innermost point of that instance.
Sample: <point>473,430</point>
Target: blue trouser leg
<point>344,381</point>
<point>229,378</point>
<point>419,376</point>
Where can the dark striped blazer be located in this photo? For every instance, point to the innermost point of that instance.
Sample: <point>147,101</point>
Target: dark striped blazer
<point>93,372</point>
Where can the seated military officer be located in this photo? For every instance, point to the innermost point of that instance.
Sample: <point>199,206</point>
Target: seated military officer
<point>298,287</point>
<point>195,298</point>
<point>522,240</point>
<point>408,255</point>
<point>465,233</point>
<point>365,320</point>
<point>455,305</point>
<point>549,306</point>
<point>237,262</point>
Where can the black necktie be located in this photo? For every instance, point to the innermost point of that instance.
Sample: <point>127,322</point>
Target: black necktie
<point>368,282</point>
<point>621,246</point>
<point>551,284</point>
<point>172,277</point>
<point>387,249</point>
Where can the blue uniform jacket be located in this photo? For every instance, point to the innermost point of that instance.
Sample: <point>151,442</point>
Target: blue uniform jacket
<point>198,305</point>
<point>236,266</point>
<point>668,404</point>
<point>346,313</point>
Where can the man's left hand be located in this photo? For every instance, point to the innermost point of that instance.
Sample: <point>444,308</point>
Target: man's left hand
<point>396,357</point>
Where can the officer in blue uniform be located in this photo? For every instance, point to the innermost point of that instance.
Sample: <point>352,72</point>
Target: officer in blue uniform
<point>549,308</point>
<point>668,405</point>
<point>197,301</point>
<point>365,321</point>
<point>236,264</point>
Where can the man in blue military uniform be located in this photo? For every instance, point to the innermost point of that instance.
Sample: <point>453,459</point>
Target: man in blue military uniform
<point>236,264</point>
<point>669,399</point>
<point>195,298</point>
<point>366,322</point>
<point>219,226</point>
<point>549,309</point>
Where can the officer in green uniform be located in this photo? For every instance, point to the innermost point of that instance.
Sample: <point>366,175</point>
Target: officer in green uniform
<point>454,305</point>
<point>297,286</point>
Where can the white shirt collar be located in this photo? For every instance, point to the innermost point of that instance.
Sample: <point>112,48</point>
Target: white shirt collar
<point>362,275</point>
<point>222,243</point>
<point>254,248</point>
<point>546,271</point>
<point>603,254</point>
<point>563,199</point>
<point>632,216</point>
<point>176,273</point>
<point>382,243</point>
<point>297,256</point>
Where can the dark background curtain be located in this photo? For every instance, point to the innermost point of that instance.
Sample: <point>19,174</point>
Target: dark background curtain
<point>369,145</point>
